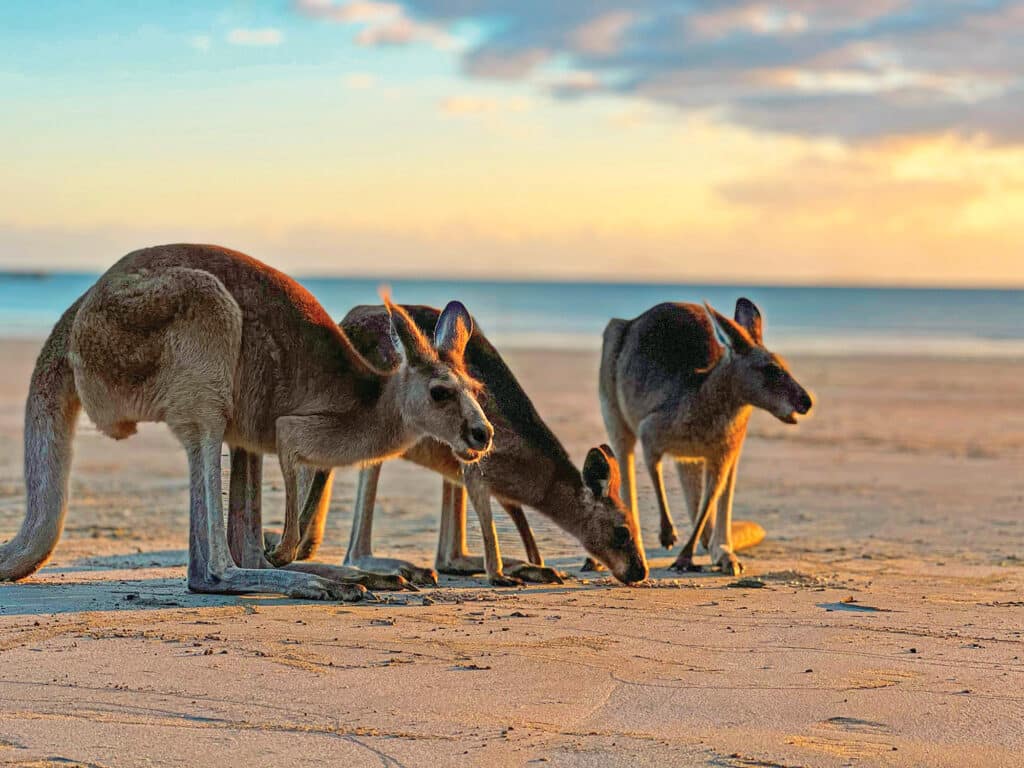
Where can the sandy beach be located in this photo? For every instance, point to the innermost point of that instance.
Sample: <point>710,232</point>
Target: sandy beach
<point>880,623</point>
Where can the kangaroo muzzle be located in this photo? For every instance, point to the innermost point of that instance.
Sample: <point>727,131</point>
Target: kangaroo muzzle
<point>478,436</point>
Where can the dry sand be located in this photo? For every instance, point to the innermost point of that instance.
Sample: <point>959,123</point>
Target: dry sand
<point>889,629</point>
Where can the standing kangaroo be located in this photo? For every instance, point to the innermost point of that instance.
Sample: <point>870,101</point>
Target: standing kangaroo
<point>664,379</point>
<point>526,467</point>
<point>222,348</point>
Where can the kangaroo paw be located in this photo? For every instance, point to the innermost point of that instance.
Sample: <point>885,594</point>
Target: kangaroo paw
<point>323,589</point>
<point>685,564</point>
<point>730,565</point>
<point>537,574</point>
<point>426,577</point>
<point>668,538</point>
<point>271,539</point>
<point>591,564</point>
<point>501,580</point>
<point>389,582</point>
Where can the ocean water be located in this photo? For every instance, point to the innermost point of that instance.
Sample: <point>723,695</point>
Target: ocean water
<point>798,319</point>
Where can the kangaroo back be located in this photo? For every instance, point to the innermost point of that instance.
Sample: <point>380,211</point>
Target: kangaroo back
<point>611,346</point>
<point>50,415</point>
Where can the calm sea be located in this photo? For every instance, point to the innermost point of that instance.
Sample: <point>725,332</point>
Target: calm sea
<point>939,322</point>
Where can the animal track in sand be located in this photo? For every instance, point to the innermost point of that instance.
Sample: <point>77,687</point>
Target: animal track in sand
<point>839,747</point>
<point>870,679</point>
<point>856,725</point>
<point>736,760</point>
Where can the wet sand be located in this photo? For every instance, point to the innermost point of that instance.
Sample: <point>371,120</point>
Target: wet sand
<point>880,623</point>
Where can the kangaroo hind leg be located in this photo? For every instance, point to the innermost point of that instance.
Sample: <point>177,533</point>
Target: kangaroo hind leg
<point>195,382</point>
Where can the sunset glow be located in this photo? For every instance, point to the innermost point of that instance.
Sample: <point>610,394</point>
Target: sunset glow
<point>413,138</point>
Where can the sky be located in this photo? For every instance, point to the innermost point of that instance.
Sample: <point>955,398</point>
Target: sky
<point>810,141</point>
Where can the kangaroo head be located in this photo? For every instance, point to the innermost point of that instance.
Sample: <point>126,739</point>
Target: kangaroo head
<point>610,533</point>
<point>761,378</point>
<point>439,395</point>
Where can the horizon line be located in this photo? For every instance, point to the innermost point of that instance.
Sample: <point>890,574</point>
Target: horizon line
<point>28,273</point>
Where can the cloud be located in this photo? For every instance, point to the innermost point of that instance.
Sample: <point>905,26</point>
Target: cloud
<point>854,71</point>
<point>200,42</point>
<point>356,12</point>
<point>265,36</point>
<point>603,34</point>
<point>402,31</point>
<point>380,23</point>
<point>472,106</point>
<point>573,83</point>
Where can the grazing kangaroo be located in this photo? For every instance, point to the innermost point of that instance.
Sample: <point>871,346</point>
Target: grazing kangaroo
<point>452,556</point>
<point>222,348</point>
<point>526,467</point>
<point>665,380</point>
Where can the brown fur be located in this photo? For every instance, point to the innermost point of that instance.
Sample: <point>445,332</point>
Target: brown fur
<point>527,467</point>
<point>223,348</point>
<point>666,380</point>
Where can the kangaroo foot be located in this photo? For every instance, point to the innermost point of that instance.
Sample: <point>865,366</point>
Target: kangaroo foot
<point>668,537</point>
<point>685,564</point>
<point>301,586</point>
<point>307,550</point>
<point>729,564</point>
<point>591,565</point>
<point>537,574</point>
<point>330,590</point>
<point>422,576</point>
<point>270,539</point>
<point>393,567</point>
<point>281,555</point>
<point>464,565</point>
<point>387,582</point>
<point>503,580</point>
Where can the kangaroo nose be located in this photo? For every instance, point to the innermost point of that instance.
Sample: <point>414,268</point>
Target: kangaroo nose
<point>479,437</point>
<point>805,404</point>
<point>637,572</point>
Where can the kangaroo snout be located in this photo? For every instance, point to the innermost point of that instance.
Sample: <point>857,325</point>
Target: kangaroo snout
<point>636,573</point>
<point>804,403</point>
<point>478,436</point>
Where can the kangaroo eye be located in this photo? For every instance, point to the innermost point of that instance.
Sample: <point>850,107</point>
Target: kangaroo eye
<point>441,394</point>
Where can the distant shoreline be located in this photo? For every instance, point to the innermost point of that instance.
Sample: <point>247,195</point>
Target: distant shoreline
<point>537,280</point>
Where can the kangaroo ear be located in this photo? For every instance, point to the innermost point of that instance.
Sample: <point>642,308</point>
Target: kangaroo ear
<point>749,316</point>
<point>407,335</point>
<point>454,327</point>
<point>731,333</point>
<point>601,472</point>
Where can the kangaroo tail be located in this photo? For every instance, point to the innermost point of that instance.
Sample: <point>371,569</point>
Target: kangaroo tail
<point>746,534</point>
<point>50,416</point>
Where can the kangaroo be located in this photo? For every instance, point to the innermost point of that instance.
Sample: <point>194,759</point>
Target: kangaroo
<point>452,558</point>
<point>526,467</point>
<point>665,380</point>
<point>223,348</point>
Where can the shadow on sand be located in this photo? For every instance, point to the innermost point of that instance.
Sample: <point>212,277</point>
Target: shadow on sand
<point>138,582</point>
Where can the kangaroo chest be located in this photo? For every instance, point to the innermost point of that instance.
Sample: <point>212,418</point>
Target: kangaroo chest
<point>703,435</point>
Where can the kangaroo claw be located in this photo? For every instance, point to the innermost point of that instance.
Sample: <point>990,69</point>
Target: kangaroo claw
<point>426,577</point>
